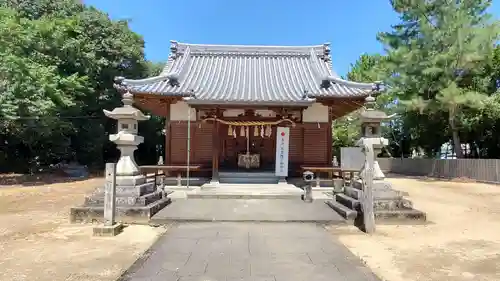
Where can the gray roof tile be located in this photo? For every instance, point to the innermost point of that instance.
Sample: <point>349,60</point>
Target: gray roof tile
<point>226,73</point>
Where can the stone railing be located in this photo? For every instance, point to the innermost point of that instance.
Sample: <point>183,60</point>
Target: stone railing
<point>483,170</point>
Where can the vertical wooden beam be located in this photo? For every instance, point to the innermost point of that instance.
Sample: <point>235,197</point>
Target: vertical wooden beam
<point>168,136</point>
<point>215,155</point>
<point>329,137</point>
<point>194,142</point>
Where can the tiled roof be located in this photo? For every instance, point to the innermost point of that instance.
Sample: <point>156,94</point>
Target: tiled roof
<point>246,74</point>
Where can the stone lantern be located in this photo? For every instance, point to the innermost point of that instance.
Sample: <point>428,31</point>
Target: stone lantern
<point>126,139</point>
<point>136,199</point>
<point>389,204</point>
<point>371,135</point>
<point>385,197</point>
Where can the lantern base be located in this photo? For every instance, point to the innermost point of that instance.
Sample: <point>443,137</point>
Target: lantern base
<point>136,202</point>
<point>390,206</point>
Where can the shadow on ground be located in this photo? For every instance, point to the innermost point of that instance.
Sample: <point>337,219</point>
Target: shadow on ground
<point>27,180</point>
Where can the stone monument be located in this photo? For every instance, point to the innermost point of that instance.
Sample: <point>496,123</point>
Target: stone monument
<point>137,199</point>
<point>388,203</point>
<point>110,227</point>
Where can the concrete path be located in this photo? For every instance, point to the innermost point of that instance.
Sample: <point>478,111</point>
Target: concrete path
<point>248,251</point>
<point>254,210</point>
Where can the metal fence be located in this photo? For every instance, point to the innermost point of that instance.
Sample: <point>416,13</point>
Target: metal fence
<point>484,170</point>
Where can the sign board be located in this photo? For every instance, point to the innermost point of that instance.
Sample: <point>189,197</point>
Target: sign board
<point>282,147</point>
<point>351,158</point>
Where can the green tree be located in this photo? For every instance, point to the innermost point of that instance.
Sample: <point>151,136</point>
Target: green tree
<point>35,9</point>
<point>57,64</point>
<point>368,68</point>
<point>434,53</point>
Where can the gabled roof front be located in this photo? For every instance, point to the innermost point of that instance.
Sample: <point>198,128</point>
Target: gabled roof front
<point>248,74</point>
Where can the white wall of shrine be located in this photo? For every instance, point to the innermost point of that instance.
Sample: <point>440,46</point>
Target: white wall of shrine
<point>179,112</point>
<point>315,113</point>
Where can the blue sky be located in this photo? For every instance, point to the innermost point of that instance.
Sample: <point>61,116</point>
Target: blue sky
<point>350,25</point>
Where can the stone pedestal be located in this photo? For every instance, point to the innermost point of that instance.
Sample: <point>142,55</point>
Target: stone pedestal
<point>282,181</point>
<point>105,230</point>
<point>389,204</point>
<point>136,202</point>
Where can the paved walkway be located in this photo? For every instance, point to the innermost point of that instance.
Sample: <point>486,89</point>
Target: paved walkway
<point>250,210</point>
<point>248,251</point>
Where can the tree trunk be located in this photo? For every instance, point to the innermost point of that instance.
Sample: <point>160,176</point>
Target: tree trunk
<point>457,147</point>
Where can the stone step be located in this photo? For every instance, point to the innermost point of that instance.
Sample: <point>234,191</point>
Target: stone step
<point>137,190</point>
<point>247,193</point>
<point>353,192</point>
<point>357,184</point>
<point>251,186</point>
<point>125,214</point>
<point>243,196</point>
<point>247,175</point>
<point>400,216</point>
<point>342,210</point>
<point>210,210</point>
<point>380,191</point>
<point>193,181</point>
<point>144,200</point>
<point>255,180</point>
<point>347,201</point>
<point>392,204</point>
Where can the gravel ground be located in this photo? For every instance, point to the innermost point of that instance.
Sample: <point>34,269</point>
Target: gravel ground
<point>461,243</point>
<point>38,243</point>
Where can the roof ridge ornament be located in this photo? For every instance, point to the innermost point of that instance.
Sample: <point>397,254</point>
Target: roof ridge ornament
<point>305,96</point>
<point>326,52</point>
<point>120,84</point>
<point>174,48</point>
<point>377,86</point>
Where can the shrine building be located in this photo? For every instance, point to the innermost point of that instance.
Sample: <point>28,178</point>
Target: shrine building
<point>249,108</point>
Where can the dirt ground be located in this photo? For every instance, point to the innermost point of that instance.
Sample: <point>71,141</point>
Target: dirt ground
<point>38,243</point>
<point>461,242</point>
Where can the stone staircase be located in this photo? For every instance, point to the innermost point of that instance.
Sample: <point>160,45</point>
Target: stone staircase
<point>134,203</point>
<point>247,191</point>
<point>390,206</point>
<point>248,177</point>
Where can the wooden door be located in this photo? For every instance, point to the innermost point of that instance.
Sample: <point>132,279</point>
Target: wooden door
<point>264,146</point>
<point>232,146</point>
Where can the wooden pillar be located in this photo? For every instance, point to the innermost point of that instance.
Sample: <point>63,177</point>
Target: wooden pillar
<point>215,155</point>
<point>329,137</point>
<point>164,111</point>
<point>168,136</point>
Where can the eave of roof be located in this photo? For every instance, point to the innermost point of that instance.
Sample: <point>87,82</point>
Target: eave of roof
<point>237,74</point>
